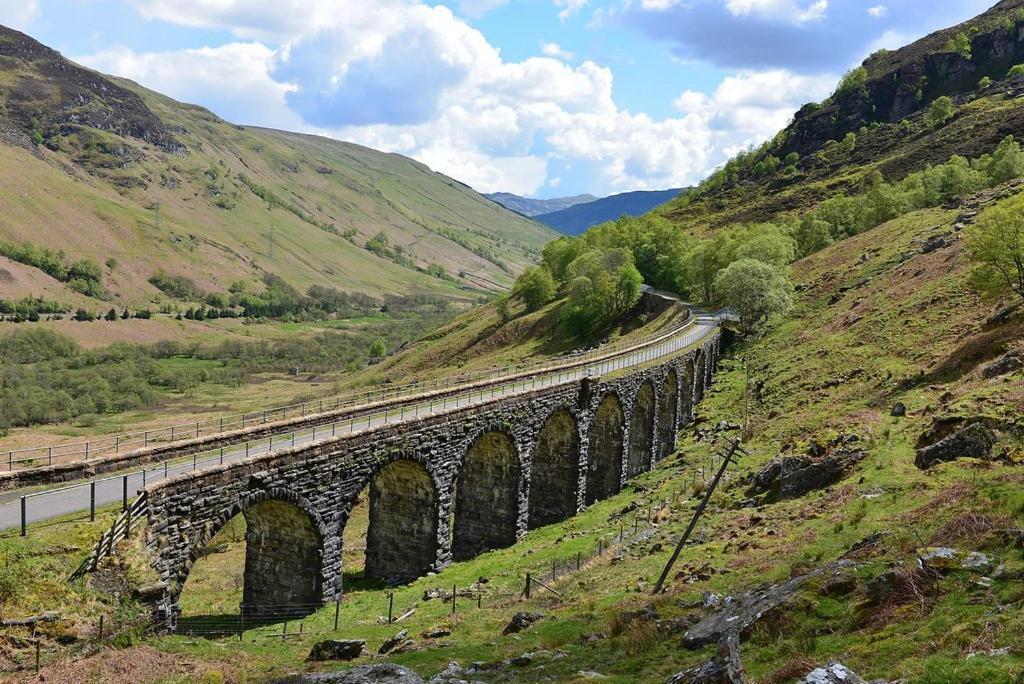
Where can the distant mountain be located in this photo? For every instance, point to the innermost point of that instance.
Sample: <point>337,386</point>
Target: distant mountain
<point>577,218</point>
<point>535,207</point>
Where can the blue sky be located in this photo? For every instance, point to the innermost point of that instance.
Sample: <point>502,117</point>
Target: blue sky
<point>538,97</point>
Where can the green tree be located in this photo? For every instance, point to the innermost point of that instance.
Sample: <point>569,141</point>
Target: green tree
<point>536,287</point>
<point>770,245</point>
<point>379,348</point>
<point>1007,162</point>
<point>996,246</point>
<point>755,291</point>
<point>960,44</point>
<point>812,234</point>
<point>702,264</point>
<point>853,81</point>
<point>940,111</point>
<point>603,286</point>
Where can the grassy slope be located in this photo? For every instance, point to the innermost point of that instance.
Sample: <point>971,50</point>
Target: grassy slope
<point>800,362</point>
<point>94,203</point>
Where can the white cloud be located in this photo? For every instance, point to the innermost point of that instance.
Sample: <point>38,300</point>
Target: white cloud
<point>18,14</point>
<point>569,7</point>
<point>232,79</point>
<point>415,79</point>
<point>878,11</point>
<point>554,50</point>
<point>658,5</point>
<point>780,10</point>
<point>478,8</point>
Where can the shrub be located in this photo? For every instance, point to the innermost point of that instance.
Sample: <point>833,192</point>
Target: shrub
<point>1017,71</point>
<point>940,111</point>
<point>960,44</point>
<point>853,81</point>
<point>984,83</point>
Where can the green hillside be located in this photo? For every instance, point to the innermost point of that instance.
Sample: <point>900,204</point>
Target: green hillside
<point>139,184</point>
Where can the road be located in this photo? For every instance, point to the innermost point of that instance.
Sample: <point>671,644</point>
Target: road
<point>62,501</point>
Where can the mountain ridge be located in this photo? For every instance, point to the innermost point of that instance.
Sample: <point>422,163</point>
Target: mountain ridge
<point>97,155</point>
<point>578,218</point>
<point>528,206</point>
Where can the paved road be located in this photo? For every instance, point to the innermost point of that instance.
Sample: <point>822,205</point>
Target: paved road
<point>61,501</point>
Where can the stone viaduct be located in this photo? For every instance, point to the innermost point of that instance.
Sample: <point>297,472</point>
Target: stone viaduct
<point>440,488</point>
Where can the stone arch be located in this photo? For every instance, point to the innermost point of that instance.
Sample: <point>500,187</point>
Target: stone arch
<point>554,470</point>
<point>641,431</point>
<point>604,463</point>
<point>284,552</point>
<point>401,541</point>
<point>668,411</point>
<point>487,496</point>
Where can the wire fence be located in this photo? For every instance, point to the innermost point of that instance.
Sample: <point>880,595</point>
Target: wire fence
<point>104,446</point>
<point>88,495</point>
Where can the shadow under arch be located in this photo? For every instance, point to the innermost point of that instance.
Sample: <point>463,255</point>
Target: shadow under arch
<point>486,511</point>
<point>641,431</point>
<point>554,470</point>
<point>401,540</point>
<point>604,455</point>
<point>668,410</point>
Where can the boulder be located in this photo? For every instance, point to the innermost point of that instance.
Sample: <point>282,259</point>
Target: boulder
<point>336,649</point>
<point>724,668</point>
<point>842,583</point>
<point>521,621</point>
<point>794,476</point>
<point>974,441</point>
<point>394,641</point>
<point>833,673</point>
<point>944,559</point>
<point>882,587</point>
<point>899,409</point>
<point>1003,366</point>
<point>381,673</point>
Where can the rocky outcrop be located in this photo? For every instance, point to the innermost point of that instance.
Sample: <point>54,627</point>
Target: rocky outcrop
<point>1003,366</point>
<point>521,621</point>
<point>724,668</point>
<point>739,613</point>
<point>336,649</point>
<point>794,476</point>
<point>974,441</point>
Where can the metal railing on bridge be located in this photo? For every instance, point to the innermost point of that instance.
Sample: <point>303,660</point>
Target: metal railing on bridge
<point>30,457</point>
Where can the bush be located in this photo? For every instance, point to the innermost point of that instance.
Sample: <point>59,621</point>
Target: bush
<point>984,83</point>
<point>853,81</point>
<point>1016,71</point>
<point>960,44</point>
<point>940,111</point>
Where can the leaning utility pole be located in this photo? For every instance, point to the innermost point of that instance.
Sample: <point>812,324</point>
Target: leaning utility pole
<point>726,460</point>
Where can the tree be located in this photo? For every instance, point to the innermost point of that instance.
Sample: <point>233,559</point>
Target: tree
<point>604,285</point>
<point>755,291</point>
<point>812,234</point>
<point>1007,162</point>
<point>702,264</point>
<point>770,245</point>
<point>996,246</point>
<point>853,81</point>
<point>379,348</point>
<point>940,111</point>
<point>111,315</point>
<point>960,44</point>
<point>849,143</point>
<point>536,286</point>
